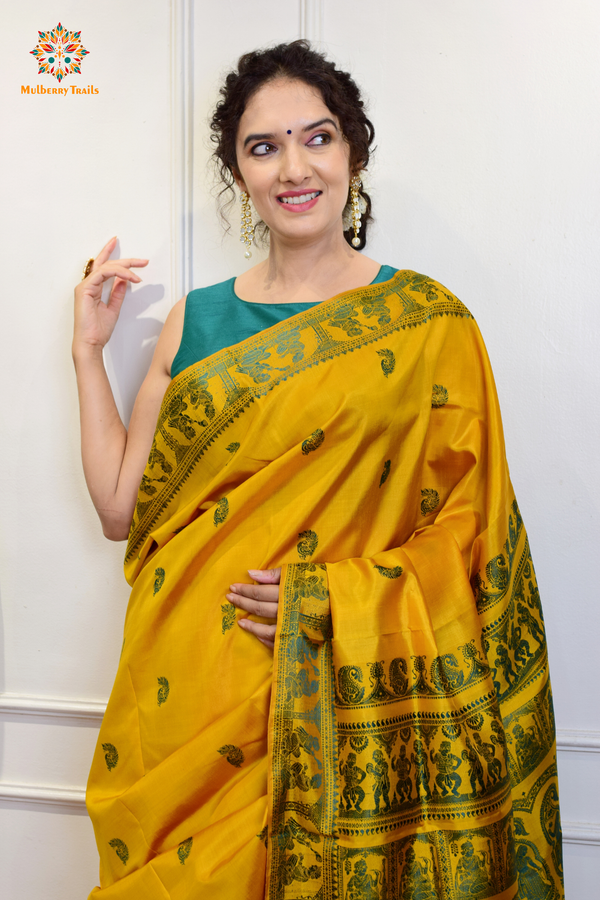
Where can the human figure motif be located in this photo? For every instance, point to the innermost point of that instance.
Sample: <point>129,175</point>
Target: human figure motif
<point>488,751</point>
<point>379,770</point>
<point>533,884</point>
<point>528,746</point>
<point>293,869</point>
<point>505,663</point>
<point>526,618</point>
<point>352,793</point>
<point>363,885</point>
<point>419,758</point>
<point>293,834</point>
<point>296,775</point>
<point>401,765</point>
<point>417,878</point>
<point>471,872</point>
<point>498,738</point>
<point>470,755</point>
<point>446,763</point>
<point>520,646</point>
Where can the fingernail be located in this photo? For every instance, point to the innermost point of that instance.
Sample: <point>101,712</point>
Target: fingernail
<point>254,572</point>
<point>242,623</point>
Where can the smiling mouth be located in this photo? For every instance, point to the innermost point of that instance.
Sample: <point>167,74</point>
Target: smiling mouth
<point>301,198</point>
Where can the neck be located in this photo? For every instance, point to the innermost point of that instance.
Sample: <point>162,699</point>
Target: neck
<point>307,271</point>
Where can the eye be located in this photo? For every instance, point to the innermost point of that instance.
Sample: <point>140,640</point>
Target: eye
<point>263,149</point>
<point>319,140</point>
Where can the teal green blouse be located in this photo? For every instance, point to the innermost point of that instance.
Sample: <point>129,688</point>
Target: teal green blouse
<point>215,317</point>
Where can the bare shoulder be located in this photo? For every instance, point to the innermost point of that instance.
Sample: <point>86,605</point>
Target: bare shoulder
<point>170,338</point>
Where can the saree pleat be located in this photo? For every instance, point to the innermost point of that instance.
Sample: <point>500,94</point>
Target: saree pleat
<point>399,742</point>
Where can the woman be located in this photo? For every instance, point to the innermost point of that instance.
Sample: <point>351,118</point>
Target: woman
<point>329,431</point>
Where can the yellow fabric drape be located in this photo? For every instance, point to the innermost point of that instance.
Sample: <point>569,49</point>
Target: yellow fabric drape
<point>400,740</point>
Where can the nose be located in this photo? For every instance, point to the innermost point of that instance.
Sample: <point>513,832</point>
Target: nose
<point>295,167</point>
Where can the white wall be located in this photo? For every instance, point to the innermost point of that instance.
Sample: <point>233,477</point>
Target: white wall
<point>485,178</point>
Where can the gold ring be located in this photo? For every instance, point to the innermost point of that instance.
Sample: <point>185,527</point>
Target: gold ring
<point>88,267</point>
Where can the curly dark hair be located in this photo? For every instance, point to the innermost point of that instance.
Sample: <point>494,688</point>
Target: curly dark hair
<point>296,60</point>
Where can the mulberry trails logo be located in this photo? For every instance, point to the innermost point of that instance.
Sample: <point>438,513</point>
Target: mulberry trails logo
<point>59,53</point>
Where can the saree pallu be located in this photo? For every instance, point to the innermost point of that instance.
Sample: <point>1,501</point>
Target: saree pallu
<point>399,742</point>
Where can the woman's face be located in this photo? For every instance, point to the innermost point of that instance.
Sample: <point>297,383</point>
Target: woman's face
<point>293,161</point>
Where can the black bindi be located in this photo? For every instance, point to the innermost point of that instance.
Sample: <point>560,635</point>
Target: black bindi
<point>289,131</point>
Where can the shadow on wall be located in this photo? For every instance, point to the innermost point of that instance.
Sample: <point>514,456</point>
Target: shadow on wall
<point>128,354</point>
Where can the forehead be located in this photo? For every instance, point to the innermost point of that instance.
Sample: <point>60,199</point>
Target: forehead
<point>281,103</point>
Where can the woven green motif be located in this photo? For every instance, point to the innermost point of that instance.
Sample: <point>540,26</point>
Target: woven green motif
<point>234,755</point>
<point>307,544</point>
<point>313,442</point>
<point>163,690</point>
<point>120,849</point>
<point>229,617</point>
<point>386,471</point>
<point>439,396</point>
<point>389,571</point>
<point>221,511</point>
<point>388,361</point>
<point>184,849</point>
<point>430,500</point>
<point>159,580</point>
<point>111,756</point>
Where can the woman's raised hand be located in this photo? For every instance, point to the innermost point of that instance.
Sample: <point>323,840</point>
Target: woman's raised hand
<point>260,600</point>
<point>94,320</point>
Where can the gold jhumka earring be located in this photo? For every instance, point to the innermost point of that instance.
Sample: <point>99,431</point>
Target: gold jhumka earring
<point>247,229</point>
<point>355,185</point>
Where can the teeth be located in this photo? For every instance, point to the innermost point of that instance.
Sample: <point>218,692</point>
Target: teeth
<point>303,198</point>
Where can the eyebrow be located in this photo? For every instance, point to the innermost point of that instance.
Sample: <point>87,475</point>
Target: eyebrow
<point>270,136</point>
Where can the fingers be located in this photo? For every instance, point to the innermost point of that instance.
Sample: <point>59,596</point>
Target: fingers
<point>266,576</point>
<point>256,599</point>
<point>264,633</point>
<point>115,268</point>
<point>105,252</point>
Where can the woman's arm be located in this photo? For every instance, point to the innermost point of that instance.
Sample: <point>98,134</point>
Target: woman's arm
<point>114,457</point>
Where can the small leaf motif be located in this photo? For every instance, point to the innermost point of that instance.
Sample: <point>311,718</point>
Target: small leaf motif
<point>307,544</point>
<point>439,396</point>
<point>430,501</point>
<point>386,471</point>
<point>263,835</point>
<point>159,579</point>
<point>163,690</point>
<point>228,611</point>
<point>183,850</point>
<point>120,848</point>
<point>111,755</point>
<point>389,572</point>
<point>221,512</point>
<point>388,361</point>
<point>233,448</point>
<point>313,441</point>
<point>233,754</point>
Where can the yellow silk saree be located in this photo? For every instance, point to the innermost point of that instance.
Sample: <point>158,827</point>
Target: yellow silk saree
<point>399,742</point>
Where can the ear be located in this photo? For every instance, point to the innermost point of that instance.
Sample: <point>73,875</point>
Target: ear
<point>239,180</point>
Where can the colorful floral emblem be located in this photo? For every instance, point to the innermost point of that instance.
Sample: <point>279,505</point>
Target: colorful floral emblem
<point>59,52</point>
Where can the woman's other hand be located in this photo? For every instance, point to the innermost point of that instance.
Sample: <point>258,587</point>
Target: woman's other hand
<point>259,600</point>
<point>95,320</point>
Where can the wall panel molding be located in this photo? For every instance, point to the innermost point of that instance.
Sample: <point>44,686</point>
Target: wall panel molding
<point>41,707</point>
<point>45,795</point>
<point>182,146</point>
<point>311,20</point>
